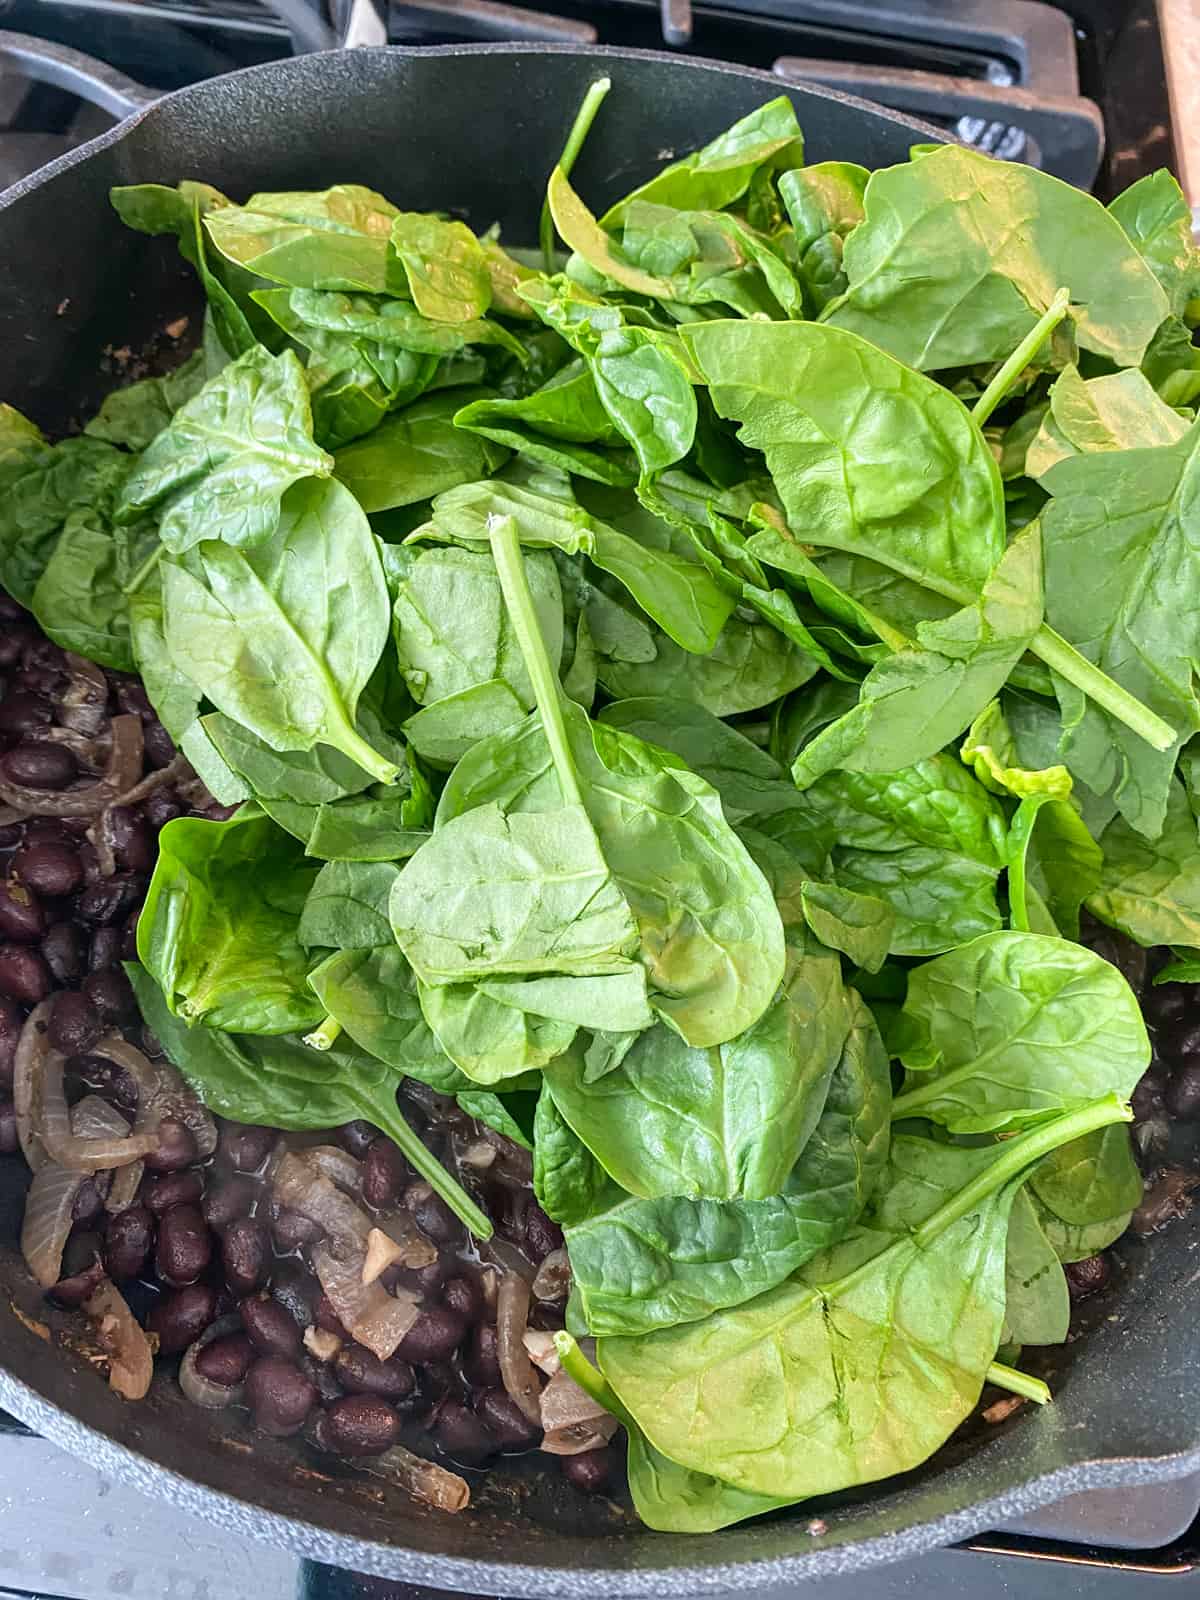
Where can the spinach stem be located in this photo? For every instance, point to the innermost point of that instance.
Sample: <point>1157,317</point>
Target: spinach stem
<point>1020,358</point>
<point>1018,1383</point>
<point>581,1371</point>
<point>385,1114</point>
<point>580,128</point>
<point>506,552</point>
<point>1016,1155</point>
<point>324,1037</point>
<point>351,743</point>
<point>144,571</point>
<point>1064,659</point>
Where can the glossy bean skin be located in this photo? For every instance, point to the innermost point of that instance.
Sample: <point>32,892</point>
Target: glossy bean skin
<point>184,1246</point>
<point>279,1396</point>
<point>128,1242</point>
<point>385,1173</point>
<point>1182,1096</point>
<point>434,1336</point>
<point>21,916</point>
<point>462,1435</point>
<point>247,1146</point>
<point>10,1032</point>
<point>39,764</point>
<point>271,1329</point>
<point>228,1198</point>
<point>161,1191</point>
<point>245,1255</point>
<point>63,952</point>
<point>360,1372</point>
<point>112,995</point>
<point>292,1231</point>
<point>464,1297</point>
<point>1087,1277</point>
<point>176,1148</point>
<point>226,1361</point>
<point>505,1420</point>
<point>431,1214</point>
<point>361,1425</point>
<point>9,1138</point>
<point>180,1318</point>
<point>590,1471</point>
<point>24,975</point>
<point>75,1024</point>
<point>48,866</point>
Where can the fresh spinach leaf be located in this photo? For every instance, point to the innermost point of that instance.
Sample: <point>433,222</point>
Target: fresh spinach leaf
<point>1117,412</point>
<point>1150,889</point>
<point>338,239</point>
<point>416,454</point>
<point>1158,222</point>
<point>448,276</point>
<point>824,204</point>
<point>1037,1304</point>
<point>135,415</point>
<point>218,932</point>
<point>347,906</point>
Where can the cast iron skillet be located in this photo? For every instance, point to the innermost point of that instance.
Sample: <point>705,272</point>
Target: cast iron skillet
<point>478,129</point>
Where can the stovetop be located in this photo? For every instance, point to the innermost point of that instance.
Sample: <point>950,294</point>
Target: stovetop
<point>1079,89</point>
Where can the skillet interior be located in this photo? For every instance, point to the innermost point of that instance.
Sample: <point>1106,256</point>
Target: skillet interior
<point>478,129</point>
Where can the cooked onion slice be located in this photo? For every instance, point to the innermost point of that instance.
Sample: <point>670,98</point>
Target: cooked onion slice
<point>202,1391</point>
<point>47,1221</point>
<point>69,1149</point>
<point>130,1358</point>
<point>572,1420</point>
<point>553,1281</point>
<point>432,1485</point>
<point>368,1313</point>
<point>516,1369</point>
<point>298,1185</point>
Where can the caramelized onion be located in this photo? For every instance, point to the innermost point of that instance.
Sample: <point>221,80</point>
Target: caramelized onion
<point>338,1165</point>
<point>553,1280</point>
<point>130,1358</point>
<point>27,1063</point>
<point>120,774</point>
<point>298,1185</point>
<point>69,1149</point>
<point>431,1484</point>
<point>47,1221</point>
<point>572,1420</point>
<point>369,1314</point>
<point>162,1093</point>
<point>516,1369</point>
<point>84,706</point>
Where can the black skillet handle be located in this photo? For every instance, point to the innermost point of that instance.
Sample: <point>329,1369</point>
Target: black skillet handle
<point>91,80</point>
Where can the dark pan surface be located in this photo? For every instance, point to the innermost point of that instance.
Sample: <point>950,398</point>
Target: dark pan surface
<point>478,129</point>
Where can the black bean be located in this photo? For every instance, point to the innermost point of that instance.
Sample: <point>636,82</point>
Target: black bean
<point>590,1471</point>
<point>272,1330</point>
<point>427,1281</point>
<point>360,1372</point>
<point>42,652</point>
<point>75,1024</point>
<point>1151,1138</point>
<point>225,1361</point>
<point>62,949</point>
<point>482,1364</point>
<point>104,951</point>
<point>12,610</point>
<point>279,1395</point>
<point>161,1191</point>
<point>461,1434</point>
<point>108,1079</point>
<point>8,1128</point>
<point>88,1205</point>
<point>226,1199</point>
<point>39,764</point>
<point>22,714</point>
<point>1183,1090</point>
<point>176,1147</point>
<point>541,1234</point>
<point>11,1024</point>
<point>327,1318</point>
<point>112,995</point>
<point>1166,1003</point>
<point>1087,1277</point>
<point>151,1043</point>
<point>361,1425</point>
<point>506,1421</point>
<point>385,1173</point>
<point>82,1271</point>
<point>435,1334</point>
<point>546,1316</point>
<point>296,1290</point>
<point>356,1137</point>
<point>160,752</point>
<point>48,866</point>
<point>21,914</point>
<point>291,1231</point>
<point>131,838</point>
<point>180,1318</point>
<point>247,1145</point>
<point>24,976</point>
<point>184,1246</point>
<point>129,936</point>
<point>1147,1096</point>
<point>111,900</point>
<point>431,1214</point>
<point>133,699</point>
<point>127,1243</point>
<point>464,1297</point>
<point>13,642</point>
<point>245,1255</point>
<point>320,1374</point>
<point>161,807</point>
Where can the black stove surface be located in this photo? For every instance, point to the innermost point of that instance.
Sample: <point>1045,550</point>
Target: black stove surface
<point>1079,89</point>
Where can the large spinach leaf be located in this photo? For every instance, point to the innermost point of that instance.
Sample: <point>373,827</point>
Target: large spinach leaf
<point>1158,221</point>
<point>1117,412</point>
<point>414,455</point>
<point>220,467</point>
<point>1150,889</point>
<point>219,929</point>
<point>284,637</point>
<point>1014,1027</point>
<point>338,238</point>
<point>42,486</point>
<point>959,255</point>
